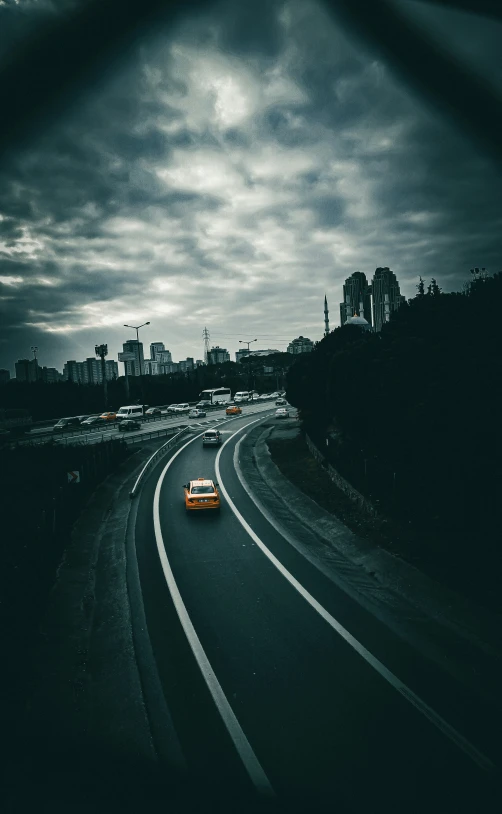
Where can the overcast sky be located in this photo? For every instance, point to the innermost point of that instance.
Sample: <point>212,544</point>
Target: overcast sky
<point>228,173</point>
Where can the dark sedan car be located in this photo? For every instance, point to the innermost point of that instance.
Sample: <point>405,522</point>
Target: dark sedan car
<point>129,424</point>
<point>66,424</point>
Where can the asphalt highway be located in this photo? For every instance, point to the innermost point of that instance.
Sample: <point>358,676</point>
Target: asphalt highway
<point>280,686</point>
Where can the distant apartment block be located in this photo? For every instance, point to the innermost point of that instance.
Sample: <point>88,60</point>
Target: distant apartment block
<point>155,349</point>
<point>387,297</point>
<point>151,367</point>
<point>89,371</point>
<point>241,353</point>
<point>217,355</point>
<point>301,345</point>
<point>136,365</point>
<point>186,365</point>
<point>50,375</point>
<point>356,298</point>
<point>28,370</point>
<point>4,376</point>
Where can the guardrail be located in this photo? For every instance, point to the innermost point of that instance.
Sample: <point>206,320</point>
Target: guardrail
<point>154,458</point>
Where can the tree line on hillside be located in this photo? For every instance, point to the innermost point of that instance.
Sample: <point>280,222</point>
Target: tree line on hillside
<point>46,401</point>
<point>411,415</point>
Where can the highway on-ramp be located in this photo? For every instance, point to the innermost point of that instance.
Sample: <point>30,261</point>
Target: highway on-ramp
<point>280,686</point>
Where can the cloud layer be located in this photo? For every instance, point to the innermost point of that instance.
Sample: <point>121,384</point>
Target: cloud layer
<point>228,175</point>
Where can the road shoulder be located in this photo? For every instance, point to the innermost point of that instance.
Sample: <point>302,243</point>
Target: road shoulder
<point>464,639</point>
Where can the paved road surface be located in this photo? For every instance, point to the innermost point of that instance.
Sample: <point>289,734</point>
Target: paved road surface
<point>321,724</point>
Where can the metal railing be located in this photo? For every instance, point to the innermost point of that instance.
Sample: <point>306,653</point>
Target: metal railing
<point>155,457</point>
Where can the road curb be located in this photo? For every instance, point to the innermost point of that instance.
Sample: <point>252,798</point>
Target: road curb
<point>442,624</point>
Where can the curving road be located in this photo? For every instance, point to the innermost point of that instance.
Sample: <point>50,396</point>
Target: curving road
<point>280,686</point>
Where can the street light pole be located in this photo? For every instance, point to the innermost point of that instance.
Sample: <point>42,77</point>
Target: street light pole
<point>245,342</point>
<point>136,328</point>
<point>102,351</point>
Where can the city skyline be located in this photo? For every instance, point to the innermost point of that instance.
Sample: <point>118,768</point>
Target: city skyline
<point>291,155</point>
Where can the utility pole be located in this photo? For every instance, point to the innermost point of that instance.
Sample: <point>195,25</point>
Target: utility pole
<point>136,328</point>
<point>102,351</point>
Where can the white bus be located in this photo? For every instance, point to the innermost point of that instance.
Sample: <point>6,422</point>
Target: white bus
<point>242,395</point>
<point>218,395</point>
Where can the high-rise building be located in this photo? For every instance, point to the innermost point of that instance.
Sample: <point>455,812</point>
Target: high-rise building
<point>4,376</point>
<point>217,356</point>
<point>155,349</point>
<point>301,345</point>
<point>387,297</point>
<point>163,356</point>
<point>167,368</point>
<point>151,367</point>
<point>356,298</point>
<point>199,363</point>
<point>186,365</point>
<point>111,369</point>
<point>135,367</point>
<point>241,353</point>
<point>73,371</point>
<point>27,370</point>
<point>50,375</point>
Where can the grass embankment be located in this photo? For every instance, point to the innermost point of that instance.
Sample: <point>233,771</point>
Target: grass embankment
<point>451,562</point>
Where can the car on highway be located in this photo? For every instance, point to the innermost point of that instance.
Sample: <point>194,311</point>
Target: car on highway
<point>129,424</point>
<point>212,438</point>
<point>92,419</point>
<point>280,402</point>
<point>282,412</point>
<point>110,415</point>
<point>201,495</point>
<point>196,413</point>
<point>233,410</point>
<point>184,407</point>
<point>154,411</point>
<point>66,424</point>
<point>203,404</point>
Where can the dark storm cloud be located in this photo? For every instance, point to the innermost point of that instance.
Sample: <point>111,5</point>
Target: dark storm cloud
<point>228,173</point>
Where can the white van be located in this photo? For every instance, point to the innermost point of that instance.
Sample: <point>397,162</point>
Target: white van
<point>131,411</point>
<point>242,395</point>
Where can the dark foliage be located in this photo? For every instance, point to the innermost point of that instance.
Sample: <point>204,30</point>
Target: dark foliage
<point>412,414</point>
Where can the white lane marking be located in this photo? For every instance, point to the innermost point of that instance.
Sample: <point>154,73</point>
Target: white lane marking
<point>251,763</point>
<point>459,740</point>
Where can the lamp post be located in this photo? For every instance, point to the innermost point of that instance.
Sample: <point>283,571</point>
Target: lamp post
<point>245,342</point>
<point>136,328</point>
<point>102,351</point>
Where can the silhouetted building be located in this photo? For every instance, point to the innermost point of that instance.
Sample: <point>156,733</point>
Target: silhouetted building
<point>155,349</point>
<point>28,370</point>
<point>241,353</point>
<point>134,367</point>
<point>356,298</point>
<point>326,316</point>
<point>151,367</point>
<point>50,375</point>
<point>360,322</point>
<point>4,376</point>
<point>300,345</point>
<point>387,297</point>
<point>217,355</point>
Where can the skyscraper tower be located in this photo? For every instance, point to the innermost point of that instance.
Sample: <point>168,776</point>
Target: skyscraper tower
<point>326,316</point>
<point>387,296</point>
<point>356,298</point>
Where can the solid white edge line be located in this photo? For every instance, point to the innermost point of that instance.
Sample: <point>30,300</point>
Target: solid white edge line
<point>250,761</point>
<point>459,740</point>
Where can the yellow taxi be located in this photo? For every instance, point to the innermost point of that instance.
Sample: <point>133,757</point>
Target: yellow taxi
<point>109,416</point>
<point>201,494</point>
<point>233,410</point>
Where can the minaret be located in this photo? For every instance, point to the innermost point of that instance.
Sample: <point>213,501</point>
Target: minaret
<point>326,317</point>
